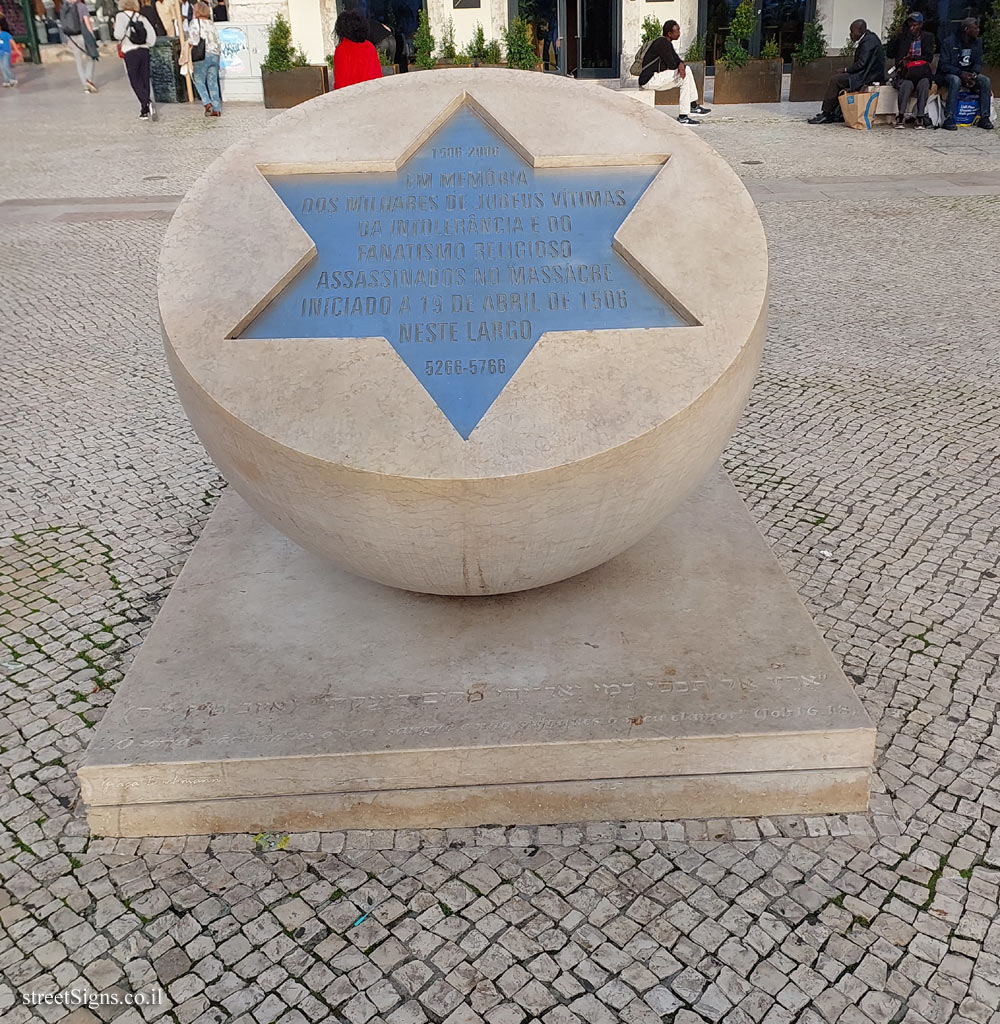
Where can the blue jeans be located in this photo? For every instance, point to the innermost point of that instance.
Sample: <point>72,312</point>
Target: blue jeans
<point>206,80</point>
<point>8,75</point>
<point>954,84</point>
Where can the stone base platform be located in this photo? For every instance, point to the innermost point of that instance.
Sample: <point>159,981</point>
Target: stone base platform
<point>682,679</point>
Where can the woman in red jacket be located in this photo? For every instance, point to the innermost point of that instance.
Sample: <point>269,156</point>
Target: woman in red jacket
<point>355,59</point>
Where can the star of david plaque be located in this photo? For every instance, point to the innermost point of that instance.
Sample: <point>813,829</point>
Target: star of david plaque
<point>465,332</point>
<point>462,259</point>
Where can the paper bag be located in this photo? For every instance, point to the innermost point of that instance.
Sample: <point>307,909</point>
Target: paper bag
<point>859,109</point>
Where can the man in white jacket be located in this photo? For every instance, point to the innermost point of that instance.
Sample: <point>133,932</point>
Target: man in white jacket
<point>136,36</point>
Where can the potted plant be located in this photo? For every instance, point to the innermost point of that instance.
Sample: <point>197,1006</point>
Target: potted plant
<point>521,53</point>
<point>738,77</point>
<point>480,53</point>
<point>694,58</point>
<point>423,44</point>
<point>286,74</point>
<point>900,13</point>
<point>811,67</point>
<point>448,51</point>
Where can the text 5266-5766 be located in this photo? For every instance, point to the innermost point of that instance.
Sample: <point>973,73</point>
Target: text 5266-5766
<point>458,367</point>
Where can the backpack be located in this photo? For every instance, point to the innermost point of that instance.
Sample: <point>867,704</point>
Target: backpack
<point>69,19</point>
<point>636,68</point>
<point>136,32</point>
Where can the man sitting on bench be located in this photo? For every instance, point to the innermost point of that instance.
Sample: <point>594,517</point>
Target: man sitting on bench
<point>663,69</point>
<point>867,69</point>
<point>960,67</point>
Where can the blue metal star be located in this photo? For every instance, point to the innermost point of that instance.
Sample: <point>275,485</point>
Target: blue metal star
<point>462,260</point>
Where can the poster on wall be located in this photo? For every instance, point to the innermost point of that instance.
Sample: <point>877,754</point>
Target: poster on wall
<point>234,55</point>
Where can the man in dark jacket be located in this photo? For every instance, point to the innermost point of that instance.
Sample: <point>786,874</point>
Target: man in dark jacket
<point>868,68</point>
<point>913,51</point>
<point>960,67</point>
<point>662,68</point>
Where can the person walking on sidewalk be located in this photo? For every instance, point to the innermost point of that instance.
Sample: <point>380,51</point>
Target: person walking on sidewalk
<point>135,35</point>
<point>74,20</point>
<point>6,54</point>
<point>203,39</point>
<point>868,68</point>
<point>662,68</point>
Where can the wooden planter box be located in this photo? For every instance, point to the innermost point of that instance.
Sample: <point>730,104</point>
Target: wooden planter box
<point>758,82</point>
<point>809,82</point>
<point>671,97</point>
<point>284,89</point>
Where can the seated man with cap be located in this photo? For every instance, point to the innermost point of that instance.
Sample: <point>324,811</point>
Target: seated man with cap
<point>960,67</point>
<point>913,51</point>
<point>867,69</point>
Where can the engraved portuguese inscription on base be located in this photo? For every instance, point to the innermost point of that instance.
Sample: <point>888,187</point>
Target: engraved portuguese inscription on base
<point>462,259</point>
<point>566,711</point>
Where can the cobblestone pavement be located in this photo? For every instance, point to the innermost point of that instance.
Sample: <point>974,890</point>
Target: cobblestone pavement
<point>868,456</point>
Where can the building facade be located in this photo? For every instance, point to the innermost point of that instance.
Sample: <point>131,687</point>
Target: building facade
<point>597,38</point>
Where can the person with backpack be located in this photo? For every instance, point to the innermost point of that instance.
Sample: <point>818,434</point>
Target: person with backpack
<point>135,35</point>
<point>76,26</point>
<point>662,68</point>
<point>206,53</point>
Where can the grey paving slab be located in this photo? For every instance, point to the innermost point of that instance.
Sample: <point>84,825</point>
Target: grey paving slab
<point>868,457</point>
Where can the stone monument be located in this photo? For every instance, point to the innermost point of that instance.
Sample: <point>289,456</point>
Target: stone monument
<point>479,369</point>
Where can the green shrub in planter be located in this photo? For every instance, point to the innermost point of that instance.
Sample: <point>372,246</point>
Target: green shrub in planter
<point>520,53</point>
<point>476,47</point>
<point>813,45</point>
<point>770,50</point>
<point>695,50</point>
<point>448,41</point>
<point>281,55</point>
<point>991,41</point>
<point>847,50</point>
<point>736,54</point>
<point>899,15</point>
<point>423,44</point>
<point>462,60</point>
<point>492,54</point>
<point>651,29</point>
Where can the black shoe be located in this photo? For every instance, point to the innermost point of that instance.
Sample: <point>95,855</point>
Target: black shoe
<point>821,118</point>
<point>987,124</point>
<point>899,121</point>
<point>684,119</point>
<point>950,126</point>
<point>697,108</point>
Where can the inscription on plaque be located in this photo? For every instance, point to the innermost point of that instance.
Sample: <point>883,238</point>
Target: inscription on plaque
<point>462,260</point>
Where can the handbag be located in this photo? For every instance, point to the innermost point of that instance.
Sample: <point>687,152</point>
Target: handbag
<point>16,53</point>
<point>198,50</point>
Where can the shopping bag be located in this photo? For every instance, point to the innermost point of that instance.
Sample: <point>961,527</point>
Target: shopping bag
<point>16,53</point>
<point>967,110</point>
<point>859,109</point>
<point>935,110</point>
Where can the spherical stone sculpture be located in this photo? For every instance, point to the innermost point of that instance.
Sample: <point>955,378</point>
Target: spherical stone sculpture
<point>465,332</point>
